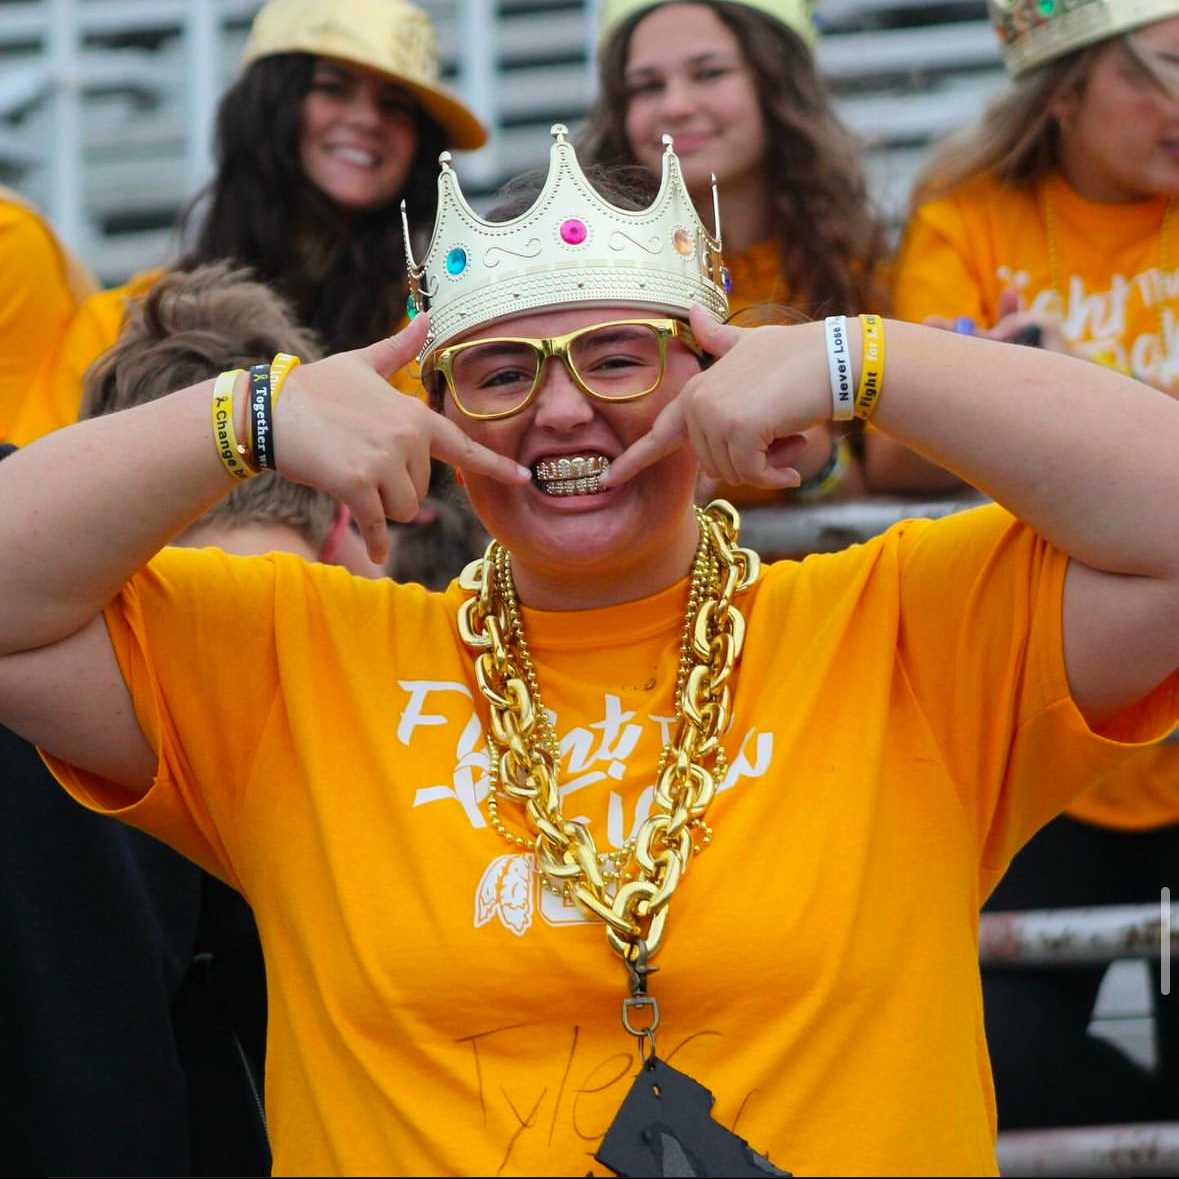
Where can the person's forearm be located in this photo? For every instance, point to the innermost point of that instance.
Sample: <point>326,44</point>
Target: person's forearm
<point>1085,456</point>
<point>84,508</point>
<point>891,468</point>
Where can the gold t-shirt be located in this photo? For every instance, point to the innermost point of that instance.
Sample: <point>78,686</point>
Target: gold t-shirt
<point>1118,295</point>
<point>434,1011</point>
<point>1117,283</point>
<point>40,286</point>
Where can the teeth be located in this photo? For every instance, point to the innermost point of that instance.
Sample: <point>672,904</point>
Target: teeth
<point>354,155</point>
<point>572,476</point>
<point>580,467</point>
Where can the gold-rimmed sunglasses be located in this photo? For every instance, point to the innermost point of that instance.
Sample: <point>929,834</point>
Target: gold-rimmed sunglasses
<point>621,360</point>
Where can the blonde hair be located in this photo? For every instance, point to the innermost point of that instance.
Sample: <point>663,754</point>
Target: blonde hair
<point>1015,140</point>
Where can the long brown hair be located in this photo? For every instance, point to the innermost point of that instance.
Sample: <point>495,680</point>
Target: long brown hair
<point>344,273</point>
<point>1015,140</point>
<point>831,245</point>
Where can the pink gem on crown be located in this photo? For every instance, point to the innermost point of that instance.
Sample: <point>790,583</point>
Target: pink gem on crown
<point>571,248</point>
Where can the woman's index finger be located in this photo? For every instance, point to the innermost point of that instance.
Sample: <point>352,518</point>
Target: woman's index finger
<point>450,444</point>
<point>667,432</point>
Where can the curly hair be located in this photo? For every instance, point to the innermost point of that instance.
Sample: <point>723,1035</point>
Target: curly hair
<point>344,273</point>
<point>831,245</point>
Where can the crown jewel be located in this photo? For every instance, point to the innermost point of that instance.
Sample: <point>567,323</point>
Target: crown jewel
<point>572,247</point>
<point>1034,32</point>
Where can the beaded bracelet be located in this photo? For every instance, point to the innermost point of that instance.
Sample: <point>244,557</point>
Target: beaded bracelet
<point>261,433</point>
<point>229,450</point>
<point>839,368</point>
<point>871,366</point>
<point>828,480</point>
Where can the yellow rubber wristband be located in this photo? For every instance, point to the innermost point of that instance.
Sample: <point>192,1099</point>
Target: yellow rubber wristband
<point>280,368</point>
<point>224,436</point>
<point>871,366</point>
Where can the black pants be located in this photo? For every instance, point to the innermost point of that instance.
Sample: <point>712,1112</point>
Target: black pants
<point>1049,1071</point>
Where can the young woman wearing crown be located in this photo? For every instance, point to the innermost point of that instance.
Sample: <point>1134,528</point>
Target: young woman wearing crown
<point>619,820</point>
<point>735,82</point>
<point>1058,212</point>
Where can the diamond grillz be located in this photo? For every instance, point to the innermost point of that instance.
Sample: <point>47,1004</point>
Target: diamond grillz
<point>572,476</point>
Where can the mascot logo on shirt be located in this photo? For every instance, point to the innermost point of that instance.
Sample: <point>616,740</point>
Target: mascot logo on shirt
<point>506,891</point>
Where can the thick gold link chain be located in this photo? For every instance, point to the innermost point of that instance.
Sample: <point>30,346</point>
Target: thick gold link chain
<point>524,751</point>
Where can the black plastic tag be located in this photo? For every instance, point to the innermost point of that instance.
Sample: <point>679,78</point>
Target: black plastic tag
<point>665,1127</point>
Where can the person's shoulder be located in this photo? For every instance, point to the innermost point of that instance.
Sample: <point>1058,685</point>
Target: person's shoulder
<point>115,298</point>
<point>974,524</point>
<point>971,526</point>
<point>141,282</point>
<point>985,195</point>
<point>25,233</point>
<point>100,316</point>
<point>18,213</point>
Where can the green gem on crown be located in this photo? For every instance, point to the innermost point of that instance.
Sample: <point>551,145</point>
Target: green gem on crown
<point>1047,7</point>
<point>411,307</point>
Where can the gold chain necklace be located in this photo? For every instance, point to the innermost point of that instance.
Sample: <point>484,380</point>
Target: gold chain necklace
<point>1056,271</point>
<point>524,752</point>
<point>613,865</point>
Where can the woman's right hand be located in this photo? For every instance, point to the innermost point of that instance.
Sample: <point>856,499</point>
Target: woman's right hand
<point>1011,320</point>
<point>340,427</point>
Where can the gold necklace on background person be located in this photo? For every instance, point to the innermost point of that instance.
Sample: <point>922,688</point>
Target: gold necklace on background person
<point>1056,271</point>
<point>629,890</point>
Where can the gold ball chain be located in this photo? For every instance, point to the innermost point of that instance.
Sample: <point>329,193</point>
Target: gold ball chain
<point>1056,269</point>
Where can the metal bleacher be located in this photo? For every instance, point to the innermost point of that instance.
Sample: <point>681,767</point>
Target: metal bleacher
<point>106,106</point>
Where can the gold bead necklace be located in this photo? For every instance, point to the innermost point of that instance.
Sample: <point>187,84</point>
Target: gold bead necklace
<point>1056,270</point>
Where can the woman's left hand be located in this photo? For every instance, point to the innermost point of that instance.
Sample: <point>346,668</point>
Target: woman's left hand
<point>745,415</point>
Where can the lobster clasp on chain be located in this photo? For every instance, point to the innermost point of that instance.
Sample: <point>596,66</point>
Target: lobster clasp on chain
<point>640,1011</point>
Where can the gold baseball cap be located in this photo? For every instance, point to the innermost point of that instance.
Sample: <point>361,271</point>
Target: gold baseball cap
<point>797,15</point>
<point>393,37</point>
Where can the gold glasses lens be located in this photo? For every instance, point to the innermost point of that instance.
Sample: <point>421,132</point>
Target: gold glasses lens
<point>616,361</point>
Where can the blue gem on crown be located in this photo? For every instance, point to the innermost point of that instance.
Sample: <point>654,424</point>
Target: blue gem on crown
<point>572,247</point>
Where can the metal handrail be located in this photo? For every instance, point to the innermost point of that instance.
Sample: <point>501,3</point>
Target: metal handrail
<point>1144,1148</point>
<point>1076,937</point>
<point>784,530</point>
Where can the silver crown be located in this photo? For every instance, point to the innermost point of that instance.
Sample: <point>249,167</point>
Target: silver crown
<point>571,248</point>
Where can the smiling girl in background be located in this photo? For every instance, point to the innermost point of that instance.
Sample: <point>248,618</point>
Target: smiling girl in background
<point>1059,208</point>
<point>736,86</point>
<point>336,117</point>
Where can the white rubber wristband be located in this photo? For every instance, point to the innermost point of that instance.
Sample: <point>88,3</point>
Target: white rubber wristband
<point>843,395</point>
